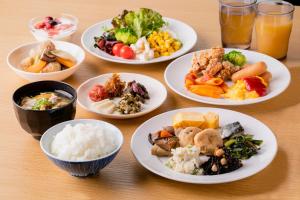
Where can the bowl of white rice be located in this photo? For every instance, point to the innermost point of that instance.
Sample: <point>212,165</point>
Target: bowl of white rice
<point>82,147</point>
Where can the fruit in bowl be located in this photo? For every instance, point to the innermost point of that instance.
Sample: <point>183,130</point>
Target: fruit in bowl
<point>56,28</point>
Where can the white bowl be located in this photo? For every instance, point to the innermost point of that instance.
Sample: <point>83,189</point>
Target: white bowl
<point>86,167</point>
<point>15,56</point>
<point>65,35</point>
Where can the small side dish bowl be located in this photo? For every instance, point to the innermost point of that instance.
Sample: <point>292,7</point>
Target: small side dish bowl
<point>86,167</point>
<point>65,33</point>
<point>36,122</point>
<point>15,56</point>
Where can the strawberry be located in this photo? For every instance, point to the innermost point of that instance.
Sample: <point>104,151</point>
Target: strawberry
<point>39,25</point>
<point>48,25</point>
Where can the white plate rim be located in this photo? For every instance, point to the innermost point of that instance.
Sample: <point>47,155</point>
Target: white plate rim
<point>138,62</point>
<point>128,116</point>
<point>202,182</point>
<point>233,102</point>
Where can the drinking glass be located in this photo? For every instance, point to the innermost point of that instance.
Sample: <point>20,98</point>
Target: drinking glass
<point>273,27</point>
<point>236,21</point>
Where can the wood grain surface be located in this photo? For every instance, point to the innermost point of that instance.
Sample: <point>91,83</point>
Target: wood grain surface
<point>26,173</point>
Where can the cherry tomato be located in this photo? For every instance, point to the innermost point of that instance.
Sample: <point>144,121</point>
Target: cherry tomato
<point>116,49</point>
<point>126,52</point>
<point>98,93</point>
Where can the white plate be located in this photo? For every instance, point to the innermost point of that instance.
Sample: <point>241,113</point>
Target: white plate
<point>184,32</point>
<point>15,56</point>
<point>176,71</point>
<point>157,92</point>
<point>141,148</point>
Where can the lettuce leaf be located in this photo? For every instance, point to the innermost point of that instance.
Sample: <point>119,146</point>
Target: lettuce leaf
<point>143,22</point>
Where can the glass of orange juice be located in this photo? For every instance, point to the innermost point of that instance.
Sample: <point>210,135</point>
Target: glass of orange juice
<point>273,27</point>
<point>236,20</point>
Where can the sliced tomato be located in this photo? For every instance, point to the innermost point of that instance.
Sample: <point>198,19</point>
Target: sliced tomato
<point>126,52</point>
<point>98,93</point>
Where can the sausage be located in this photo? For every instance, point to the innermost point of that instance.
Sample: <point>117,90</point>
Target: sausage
<point>251,70</point>
<point>267,76</point>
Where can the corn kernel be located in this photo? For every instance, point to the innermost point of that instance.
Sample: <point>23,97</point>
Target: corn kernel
<point>171,50</point>
<point>163,44</point>
<point>165,54</point>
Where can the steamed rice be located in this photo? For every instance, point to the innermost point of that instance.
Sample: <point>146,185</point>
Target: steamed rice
<point>83,142</point>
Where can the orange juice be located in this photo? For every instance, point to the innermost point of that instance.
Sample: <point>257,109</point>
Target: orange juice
<point>236,29</point>
<point>272,34</point>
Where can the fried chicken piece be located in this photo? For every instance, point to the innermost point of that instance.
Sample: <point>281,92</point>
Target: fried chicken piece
<point>196,64</point>
<point>216,52</point>
<point>224,74</point>
<point>231,67</point>
<point>208,62</point>
<point>204,58</point>
<point>228,70</point>
<point>213,67</point>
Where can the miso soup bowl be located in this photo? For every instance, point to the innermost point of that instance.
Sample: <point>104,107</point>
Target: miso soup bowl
<point>86,167</point>
<point>36,122</point>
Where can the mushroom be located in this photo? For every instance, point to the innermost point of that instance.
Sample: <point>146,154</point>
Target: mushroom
<point>48,57</point>
<point>186,136</point>
<point>167,143</point>
<point>158,151</point>
<point>45,51</point>
<point>170,129</point>
<point>153,136</point>
<point>52,67</point>
<point>208,140</point>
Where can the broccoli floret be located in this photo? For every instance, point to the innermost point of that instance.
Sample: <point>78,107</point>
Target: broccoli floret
<point>235,57</point>
<point>126,35</point>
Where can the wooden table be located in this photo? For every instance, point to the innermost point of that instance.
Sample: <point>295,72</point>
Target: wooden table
<point>25,171</point>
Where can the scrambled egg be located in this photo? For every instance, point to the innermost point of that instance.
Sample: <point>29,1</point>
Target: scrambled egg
<point>238,91</point>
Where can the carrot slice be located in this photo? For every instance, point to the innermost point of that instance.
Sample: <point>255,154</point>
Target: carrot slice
<point>37,67</point>
<point>215,81</point>
<point>165,134</point>
<point>65,62</point>
<point>207,90</point>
